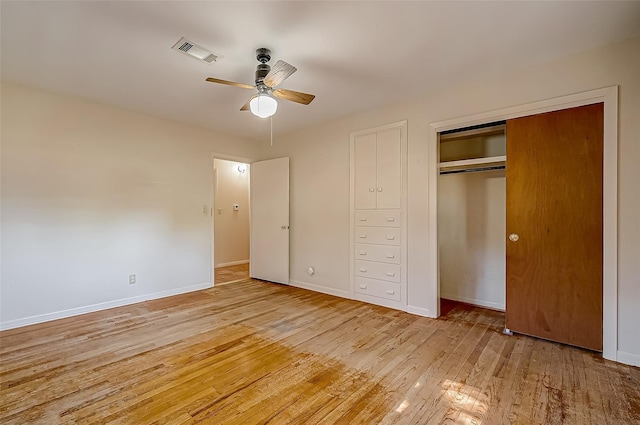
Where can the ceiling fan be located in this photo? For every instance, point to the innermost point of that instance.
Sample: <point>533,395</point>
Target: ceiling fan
<point>263,104</point>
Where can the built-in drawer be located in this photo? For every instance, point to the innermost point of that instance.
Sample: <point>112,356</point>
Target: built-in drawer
<point>377,235</point>
<point>390,272</point>
<point>381,253</point>
<point>378,288</point>
<point>378,218</point>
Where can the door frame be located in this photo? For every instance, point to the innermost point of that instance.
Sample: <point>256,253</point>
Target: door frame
<point>212,189</point>
<point>609,97</point>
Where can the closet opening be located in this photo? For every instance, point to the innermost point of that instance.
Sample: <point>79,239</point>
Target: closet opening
<point>472,216</point>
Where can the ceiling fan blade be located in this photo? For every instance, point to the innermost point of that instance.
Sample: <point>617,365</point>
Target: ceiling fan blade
<point>294,96</point>
<point>279,72</point>
<point>230,83</point>
<point>246,107</point>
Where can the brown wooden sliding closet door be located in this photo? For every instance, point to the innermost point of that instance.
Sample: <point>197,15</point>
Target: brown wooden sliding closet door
<point>554,225</point>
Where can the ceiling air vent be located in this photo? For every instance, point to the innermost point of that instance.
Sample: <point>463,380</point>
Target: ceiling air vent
<point>192,49</point>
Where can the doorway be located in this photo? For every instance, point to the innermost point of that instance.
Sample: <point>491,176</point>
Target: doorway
<point>231,215</point>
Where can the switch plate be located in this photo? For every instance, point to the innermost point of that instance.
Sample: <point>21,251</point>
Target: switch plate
<point>132,279</point>
<point>236,207</point>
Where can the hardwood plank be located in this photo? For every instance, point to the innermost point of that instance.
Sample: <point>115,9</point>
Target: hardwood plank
<point>254,352</point>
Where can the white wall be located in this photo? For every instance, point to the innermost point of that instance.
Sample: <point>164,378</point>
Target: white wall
<point>231,227</point>
<point>92,194</point>
<point>471,226</point>
<point>320,171</point>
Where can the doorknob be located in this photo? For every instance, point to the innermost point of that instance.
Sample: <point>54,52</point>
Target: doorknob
<point>284,227</point>
<point>514,237</point>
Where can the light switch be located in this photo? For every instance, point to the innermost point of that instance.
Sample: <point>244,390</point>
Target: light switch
<point>219,210</point>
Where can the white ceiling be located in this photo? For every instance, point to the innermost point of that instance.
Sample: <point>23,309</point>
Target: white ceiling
<point>352,55</point>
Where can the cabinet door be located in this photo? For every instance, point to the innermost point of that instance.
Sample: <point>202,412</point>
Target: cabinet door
<point>389,171</point>
<point>365,171</point>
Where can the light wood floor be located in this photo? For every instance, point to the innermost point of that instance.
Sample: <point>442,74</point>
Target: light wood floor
<point>257,353</point>
<point>231,273</point>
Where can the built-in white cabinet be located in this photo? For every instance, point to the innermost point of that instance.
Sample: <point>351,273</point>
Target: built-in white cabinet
<point>378,215</point>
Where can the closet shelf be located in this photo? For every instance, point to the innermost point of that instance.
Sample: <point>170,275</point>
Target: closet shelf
<point>492,161</point>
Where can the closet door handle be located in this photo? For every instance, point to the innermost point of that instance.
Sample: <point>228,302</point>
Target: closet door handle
<point>380,189</point>
<point>514,237</point>
<point>372,189</point>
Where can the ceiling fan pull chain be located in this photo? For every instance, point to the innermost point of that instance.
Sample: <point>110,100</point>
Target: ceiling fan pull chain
<point>271,130</point>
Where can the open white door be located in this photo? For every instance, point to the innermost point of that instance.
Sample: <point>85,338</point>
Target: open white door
<point>269,258</point>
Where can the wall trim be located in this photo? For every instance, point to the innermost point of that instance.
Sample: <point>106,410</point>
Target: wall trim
<point>608,96</point>
<point>232,263</point>
<point>481,303</point>
<point>411,309</point>
<point>32,320</point>
<point>628,358</point>
<point>319,288</point>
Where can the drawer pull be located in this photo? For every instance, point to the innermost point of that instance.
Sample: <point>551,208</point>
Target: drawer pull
<point>363,252</point>
<point>392,274</point>
<point>363,236</point>
<point>363,269</point>
<point>390,237</point>
<point>391,256</point>
<point>363,286</point>
<point>391,219</point>
<point>362,218</point>
<point>390,291</point>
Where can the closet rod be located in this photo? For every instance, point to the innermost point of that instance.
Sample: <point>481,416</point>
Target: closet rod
<point>473,170</point>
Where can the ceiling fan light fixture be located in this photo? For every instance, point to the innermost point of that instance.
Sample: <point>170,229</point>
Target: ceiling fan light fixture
<point>263,105</point>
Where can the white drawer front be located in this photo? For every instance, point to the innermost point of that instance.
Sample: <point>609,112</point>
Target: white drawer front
<point>378,288</point>
<point>378,218</point>
<point>377,235</point>
<point>382,271</point>
<point>381,253</point>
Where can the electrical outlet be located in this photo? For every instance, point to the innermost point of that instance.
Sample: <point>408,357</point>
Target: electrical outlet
<point>132,279</point>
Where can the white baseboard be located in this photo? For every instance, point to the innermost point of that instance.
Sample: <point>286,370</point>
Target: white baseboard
<point>32,320</point>
<point>319,288</point>
<point>628,358</point>
<point>232,263</point>
<point>481,303</point>
<point>420,311</point>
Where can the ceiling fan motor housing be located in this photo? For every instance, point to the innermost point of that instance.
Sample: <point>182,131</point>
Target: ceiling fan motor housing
<point>261,71</point>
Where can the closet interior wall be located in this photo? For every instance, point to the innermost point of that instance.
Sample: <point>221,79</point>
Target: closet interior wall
<point>472,219</point>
